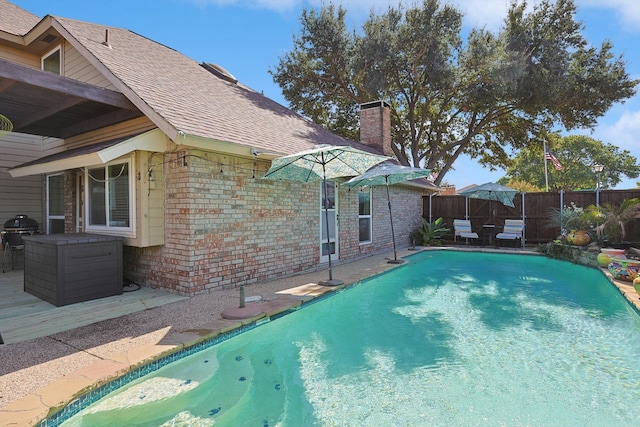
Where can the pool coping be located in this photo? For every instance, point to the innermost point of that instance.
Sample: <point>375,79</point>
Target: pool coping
<point>42,407</point>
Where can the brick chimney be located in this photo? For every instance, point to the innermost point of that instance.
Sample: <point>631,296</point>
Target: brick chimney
<point>375,126</point>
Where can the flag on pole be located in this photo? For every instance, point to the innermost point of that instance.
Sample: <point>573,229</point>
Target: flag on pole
<point>556,163</point>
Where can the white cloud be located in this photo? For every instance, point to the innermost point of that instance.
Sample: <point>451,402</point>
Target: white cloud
<point>622,133</point>
<point>477,13</point>
<point>627,11</point>
<point>491,13</point>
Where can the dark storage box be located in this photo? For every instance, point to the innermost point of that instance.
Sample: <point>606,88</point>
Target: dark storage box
<point>64,269</point>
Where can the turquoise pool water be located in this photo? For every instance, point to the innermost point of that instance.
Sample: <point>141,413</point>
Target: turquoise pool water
<point>451,338</point>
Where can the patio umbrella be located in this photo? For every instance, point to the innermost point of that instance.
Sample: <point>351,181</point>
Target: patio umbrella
<point>388,174</point>
<point>491,191</point>
<point>319,164</point>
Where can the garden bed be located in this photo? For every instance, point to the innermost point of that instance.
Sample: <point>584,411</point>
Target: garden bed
<point>575,254</point>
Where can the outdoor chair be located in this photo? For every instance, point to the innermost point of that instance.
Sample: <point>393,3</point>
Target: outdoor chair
<point>12,243</point>
<point>462,228</point>
<point>512,231</point>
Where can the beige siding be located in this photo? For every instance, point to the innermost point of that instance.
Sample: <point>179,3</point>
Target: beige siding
<point>78,68</point>
<point>19,56</point>
<point>149,201</point>
<point>20,195</point>
<point>74,65</point>
<point>131,127</point>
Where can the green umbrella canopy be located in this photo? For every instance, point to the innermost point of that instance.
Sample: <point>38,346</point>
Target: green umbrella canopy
<point>324,162</point>
<point>491,191</point>
<point>387,173</point>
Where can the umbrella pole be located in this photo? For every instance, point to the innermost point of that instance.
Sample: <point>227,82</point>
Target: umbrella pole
<point>329,282</point>
<point>395,259</point>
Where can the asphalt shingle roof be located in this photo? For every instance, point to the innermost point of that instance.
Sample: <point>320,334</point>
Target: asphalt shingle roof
<point>15,20</point>
<point>191,99</point>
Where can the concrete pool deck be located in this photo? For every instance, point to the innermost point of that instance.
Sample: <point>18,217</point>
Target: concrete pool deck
<point>40,375</point>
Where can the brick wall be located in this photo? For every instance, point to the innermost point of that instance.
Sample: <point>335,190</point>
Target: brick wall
<point>406,208</point>
<point>226,227</point>
<point>70,198</point>
<point>375,126</point>
<point>405,205</point>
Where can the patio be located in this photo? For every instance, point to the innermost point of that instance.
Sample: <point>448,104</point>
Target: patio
<point>24,317</point>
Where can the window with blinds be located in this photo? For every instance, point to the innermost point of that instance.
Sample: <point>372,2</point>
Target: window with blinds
<point>109,196</point>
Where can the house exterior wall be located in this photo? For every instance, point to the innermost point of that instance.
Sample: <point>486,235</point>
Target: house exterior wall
<point>148,187</point>
<point>73,65</point>
<point>226,227</point>
<point>22,195</point>
<point>149,200</point>
<point>19,56</point>
<point>78,68</point>
<point>406,205</point>
<point>70,201</point>
<point>130,127</point>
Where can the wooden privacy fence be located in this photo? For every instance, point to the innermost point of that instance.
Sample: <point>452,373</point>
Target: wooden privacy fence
<point>537,207</point>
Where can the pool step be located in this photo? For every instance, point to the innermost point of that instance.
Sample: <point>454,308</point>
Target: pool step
<point>162,396</point>
<point>267,386</point>
<point>197,391</point>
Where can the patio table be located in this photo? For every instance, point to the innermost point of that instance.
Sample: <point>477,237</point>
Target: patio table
<point>488,231</point>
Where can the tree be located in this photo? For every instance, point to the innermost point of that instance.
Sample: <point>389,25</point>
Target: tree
<point>613,219</point>
<point>577,154</point>
<point>494,94</point>
<point>520,186</point>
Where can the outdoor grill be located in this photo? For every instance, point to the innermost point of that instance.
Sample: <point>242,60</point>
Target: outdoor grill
<point>21,224</point>
<point>12,234</point>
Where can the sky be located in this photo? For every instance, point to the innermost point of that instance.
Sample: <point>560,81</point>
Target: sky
<point>247,38</point>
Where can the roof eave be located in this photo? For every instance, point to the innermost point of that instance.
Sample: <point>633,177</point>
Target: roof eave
<point>152,140</point>
<point>230,148</point>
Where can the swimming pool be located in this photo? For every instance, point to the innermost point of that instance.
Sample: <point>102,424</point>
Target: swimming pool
<point>451,338</point>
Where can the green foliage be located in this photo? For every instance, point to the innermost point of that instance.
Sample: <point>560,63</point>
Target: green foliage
<point>520,186</point>
<point>613,219</point>
<point>415,237</point>
<point>492,95</point>
<point>569,218</point>
<point>577,154</point>
<point>430,233</point>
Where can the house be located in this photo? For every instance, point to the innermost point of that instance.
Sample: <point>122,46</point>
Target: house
<point>117,134</point>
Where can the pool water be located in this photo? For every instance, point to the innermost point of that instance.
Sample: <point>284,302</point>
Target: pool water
<point>450,338</point>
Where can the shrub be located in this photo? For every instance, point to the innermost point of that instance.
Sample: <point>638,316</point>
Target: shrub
<point>430,233</point>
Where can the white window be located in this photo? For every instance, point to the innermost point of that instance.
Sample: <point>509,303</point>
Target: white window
<point>52,61</point>
<point>109,197</point>
<point>364,215</point>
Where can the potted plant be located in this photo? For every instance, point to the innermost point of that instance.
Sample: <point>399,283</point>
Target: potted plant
<point>574,223</point>
<point>611,220</point>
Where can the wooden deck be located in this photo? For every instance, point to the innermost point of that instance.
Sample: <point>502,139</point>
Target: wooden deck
<point>24,316</point>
